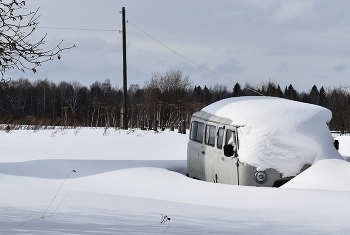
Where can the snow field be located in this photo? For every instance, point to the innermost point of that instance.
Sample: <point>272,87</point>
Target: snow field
<point>125,182</point>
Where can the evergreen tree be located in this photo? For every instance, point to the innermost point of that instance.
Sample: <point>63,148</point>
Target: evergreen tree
<point>304,97</point>
<point>271,89</point>
<point>237,91</point>
<point>286,93</point>
<point>279,91</point>
<point>206,95</point>
<point>314,95</point>
<point>291,93</point>
<point>198,94</point>
<point>322,97</point>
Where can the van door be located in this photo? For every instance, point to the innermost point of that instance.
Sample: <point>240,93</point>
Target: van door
<point>195,150</point>
<point>226,170</point>
<point>210,151</point>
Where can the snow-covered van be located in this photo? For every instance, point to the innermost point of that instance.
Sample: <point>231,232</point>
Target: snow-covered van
<point>257,141</point>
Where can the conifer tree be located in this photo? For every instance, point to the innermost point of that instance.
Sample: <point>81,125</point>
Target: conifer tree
<point>314,95</point>
<point>237,91</point>
<point>322,97</point>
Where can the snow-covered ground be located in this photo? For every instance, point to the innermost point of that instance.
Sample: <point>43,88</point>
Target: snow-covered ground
<point>344,145</point>
<point>135,183</point>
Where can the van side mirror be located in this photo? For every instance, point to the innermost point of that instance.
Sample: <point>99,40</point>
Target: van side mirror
<point>336,144</point>
<point>228,150</point>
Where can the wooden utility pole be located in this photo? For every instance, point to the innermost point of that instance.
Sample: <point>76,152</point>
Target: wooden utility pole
<point>124,111</point>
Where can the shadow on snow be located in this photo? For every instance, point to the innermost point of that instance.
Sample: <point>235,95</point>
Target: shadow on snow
<point>57,168</point>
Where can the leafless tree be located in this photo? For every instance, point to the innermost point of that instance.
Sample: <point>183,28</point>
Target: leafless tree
<point>133,92</point>
<point>18,50</point>
<point>219,92</point>
<point>339,103</point>
<point>166,95</point>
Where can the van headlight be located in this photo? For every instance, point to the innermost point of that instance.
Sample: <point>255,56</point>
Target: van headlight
<point>260,177</point>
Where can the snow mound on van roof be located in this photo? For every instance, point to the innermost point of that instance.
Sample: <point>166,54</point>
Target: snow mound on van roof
<point>278,133</point>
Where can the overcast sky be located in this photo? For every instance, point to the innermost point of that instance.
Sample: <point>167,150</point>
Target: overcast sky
<point>303,43</point>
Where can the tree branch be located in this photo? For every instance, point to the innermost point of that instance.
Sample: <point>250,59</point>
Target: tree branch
<point>16,27</point>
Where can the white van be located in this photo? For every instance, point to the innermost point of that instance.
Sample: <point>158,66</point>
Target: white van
<point>257,141</point>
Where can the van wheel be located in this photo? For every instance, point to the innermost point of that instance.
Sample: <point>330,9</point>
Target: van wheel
<point>280,182</point>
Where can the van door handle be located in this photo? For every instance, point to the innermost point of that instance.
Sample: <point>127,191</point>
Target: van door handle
<point>203,152</point>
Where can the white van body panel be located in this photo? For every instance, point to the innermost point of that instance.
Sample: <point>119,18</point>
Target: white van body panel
<point>226,167</point>
<point>195,159</point>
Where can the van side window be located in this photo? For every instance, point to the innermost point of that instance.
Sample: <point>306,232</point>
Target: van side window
<point>230,137</point>
<point>196,132</point>
<point>220,138</point>
<point>210,132</point>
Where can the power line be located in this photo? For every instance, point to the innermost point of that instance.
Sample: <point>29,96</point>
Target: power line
<point>80,29</point>
<point>116,30</point>
<point>180,54</point>
<point>212,71</point>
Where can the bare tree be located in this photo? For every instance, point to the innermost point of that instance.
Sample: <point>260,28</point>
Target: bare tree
<point>133,89</point>
<point>339,103</point>
<point>219,92</point>
<point>73,99</point>
<point>4,84</point>
<point>17,24</point>
<point>166,94</point>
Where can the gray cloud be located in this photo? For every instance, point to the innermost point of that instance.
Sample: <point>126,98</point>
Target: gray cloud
<point>340,67</point>
<point>229,66</point>
<point>285,41</point>
<point>283,67</point>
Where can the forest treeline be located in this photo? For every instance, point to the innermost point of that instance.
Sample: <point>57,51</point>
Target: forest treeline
<point>168,97</point>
